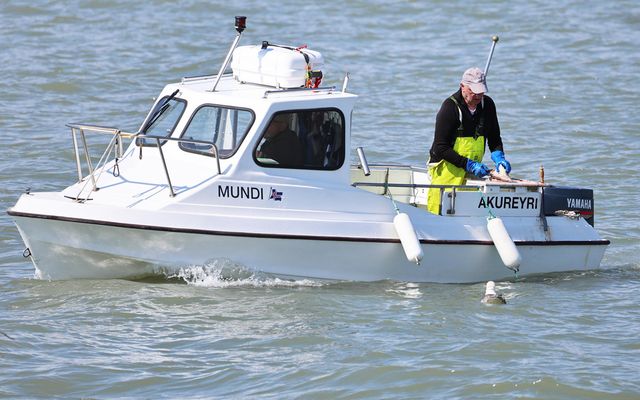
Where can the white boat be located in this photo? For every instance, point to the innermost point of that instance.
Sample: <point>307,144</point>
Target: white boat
<point>196,183</point>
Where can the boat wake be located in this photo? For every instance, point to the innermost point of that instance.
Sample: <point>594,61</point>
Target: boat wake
<point>224,273</point>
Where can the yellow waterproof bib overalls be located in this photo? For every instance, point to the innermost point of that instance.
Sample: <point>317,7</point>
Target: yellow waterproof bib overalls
<point>445,173</point>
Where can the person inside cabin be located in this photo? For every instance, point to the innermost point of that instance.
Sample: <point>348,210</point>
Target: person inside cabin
<point>466,123</point>
<point>281,143</point>
<point>317,137</point>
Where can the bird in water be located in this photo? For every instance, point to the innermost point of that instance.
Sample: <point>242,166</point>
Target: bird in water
<point>490,295</point>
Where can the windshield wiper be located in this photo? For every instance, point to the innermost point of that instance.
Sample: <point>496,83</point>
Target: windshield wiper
<point>159,111</point>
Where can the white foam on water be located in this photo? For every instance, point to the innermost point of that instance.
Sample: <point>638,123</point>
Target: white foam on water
<point>224,273</point>
<point>408,290</point>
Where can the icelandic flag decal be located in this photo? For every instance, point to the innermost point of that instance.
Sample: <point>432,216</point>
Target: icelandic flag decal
<point>275,195</point>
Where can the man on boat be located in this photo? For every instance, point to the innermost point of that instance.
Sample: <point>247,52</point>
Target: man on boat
<point>281,143</point>
<point>466,121</point>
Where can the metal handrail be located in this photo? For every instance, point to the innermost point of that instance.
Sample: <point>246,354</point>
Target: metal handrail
<point>115,142</point>
<point>329,89</point>
<point>214,147</point>
<point>415,185</point>
<point>189,79</point>
<point>81,128</point>
<point>100,129</point>
<point>181,140</point>
<point>453,188</point>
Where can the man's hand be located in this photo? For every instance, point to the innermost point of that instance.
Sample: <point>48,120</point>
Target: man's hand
<point>498,158</point>
<point>477,168</point>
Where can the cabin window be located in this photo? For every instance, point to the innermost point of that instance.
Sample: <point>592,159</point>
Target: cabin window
<point>303,139</point>
<point>222,126</point>
<point>162,120</point>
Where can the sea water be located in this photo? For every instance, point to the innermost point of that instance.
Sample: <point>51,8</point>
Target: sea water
<point>563,77</point>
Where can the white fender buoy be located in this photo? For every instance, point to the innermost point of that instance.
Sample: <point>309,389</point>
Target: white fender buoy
<point>506,248</point>
<point>408,238</point>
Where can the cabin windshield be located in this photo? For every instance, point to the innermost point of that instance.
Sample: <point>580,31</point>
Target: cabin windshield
<point>224,126</point>
<point>162,119</point>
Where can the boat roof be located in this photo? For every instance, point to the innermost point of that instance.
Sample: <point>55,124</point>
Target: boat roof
<point>231,91</point>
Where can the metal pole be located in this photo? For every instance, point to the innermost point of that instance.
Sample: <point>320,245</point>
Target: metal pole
<point>88,157</point>
<point>119,144</point>
<point>240,26</point>
<point>166,172</point>
<point>363,161</point>
<point>215,150</point>
<point>75,150</point>
<point>493,46</point>
<point>345,83</point>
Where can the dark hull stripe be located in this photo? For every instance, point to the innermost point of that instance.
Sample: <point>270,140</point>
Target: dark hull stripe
<point>603,242</point>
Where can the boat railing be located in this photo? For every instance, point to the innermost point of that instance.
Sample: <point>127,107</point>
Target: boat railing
<point>328,89</point>
<point>116,148</point>
<point>399,183</point>
<point>198,78</point>
<point>449,189</point>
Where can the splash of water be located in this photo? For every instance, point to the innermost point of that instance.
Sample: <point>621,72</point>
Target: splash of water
<point>224,273</point>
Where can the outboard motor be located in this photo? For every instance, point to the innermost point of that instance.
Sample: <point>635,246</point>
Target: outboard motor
<point>558,199</point>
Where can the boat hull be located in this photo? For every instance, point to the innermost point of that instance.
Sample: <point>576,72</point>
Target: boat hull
<point>72,249</point>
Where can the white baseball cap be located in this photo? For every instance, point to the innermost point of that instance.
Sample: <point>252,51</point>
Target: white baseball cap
<point>474,78</point>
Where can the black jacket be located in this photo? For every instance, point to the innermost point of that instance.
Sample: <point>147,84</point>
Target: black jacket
<point>448,120</point>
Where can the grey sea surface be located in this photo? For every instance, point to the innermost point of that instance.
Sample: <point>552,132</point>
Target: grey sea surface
<point>564,78</point>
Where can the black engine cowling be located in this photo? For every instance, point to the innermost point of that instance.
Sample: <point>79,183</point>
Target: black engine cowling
<point>570,199</point>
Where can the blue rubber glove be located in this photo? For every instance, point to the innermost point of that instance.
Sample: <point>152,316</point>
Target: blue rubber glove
<point>498,158</point>
<point>477,168</point>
